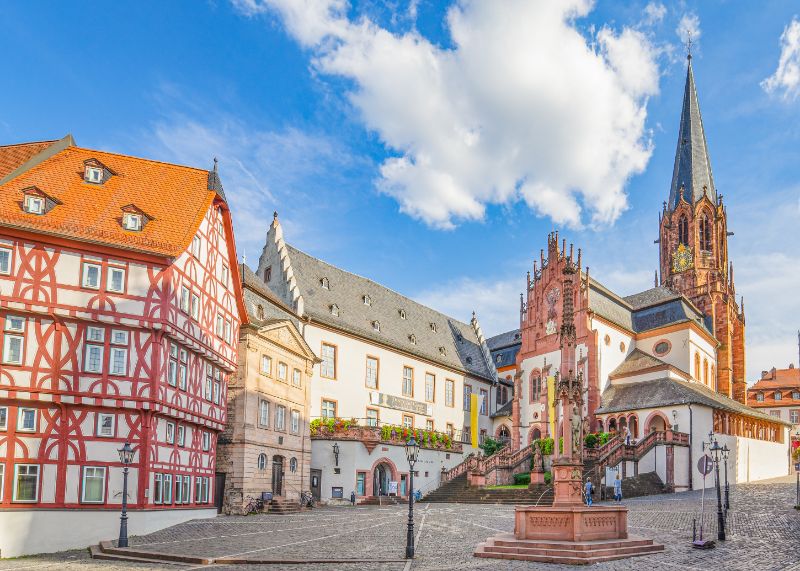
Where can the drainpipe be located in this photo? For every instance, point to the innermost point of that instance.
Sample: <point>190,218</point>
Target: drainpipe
<point>691,443</point>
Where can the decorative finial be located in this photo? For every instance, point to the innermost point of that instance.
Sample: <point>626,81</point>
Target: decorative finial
<point>215,164</point>
<point>275,215</point>
<point>689,45</point>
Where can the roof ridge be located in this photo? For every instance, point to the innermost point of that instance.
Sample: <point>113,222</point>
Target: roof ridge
<point>29,143</point>
<point>139,159</point>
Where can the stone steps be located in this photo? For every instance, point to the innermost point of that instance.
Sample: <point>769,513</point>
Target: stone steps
<point>284,507</point>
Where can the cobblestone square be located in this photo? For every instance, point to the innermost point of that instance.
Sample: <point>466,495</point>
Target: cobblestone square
<point>762,526</point>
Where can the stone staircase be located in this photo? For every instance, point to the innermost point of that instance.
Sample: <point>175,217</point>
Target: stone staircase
<point>647,484</point>
<point>382,501</point>
<point>283,507</point>
<point>459,491</point>
<point>506,546</point>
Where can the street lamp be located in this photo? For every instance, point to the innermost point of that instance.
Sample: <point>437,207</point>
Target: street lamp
<point>126,457</point>
<point>725,453</point>
<point>336,452</point>
<point>715,450</point>
<point>412,453</point>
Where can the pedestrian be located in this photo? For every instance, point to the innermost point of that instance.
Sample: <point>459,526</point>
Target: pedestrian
<point>627,436</point>
<point>589,492</point>
<point>618,489</point>
<point>353,499</point>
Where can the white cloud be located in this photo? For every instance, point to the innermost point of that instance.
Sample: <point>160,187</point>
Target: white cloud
<point>522,107</point>
<point>654,12</point>
<point>786,79</point>
<point>689,28</point>
<point>496,302</point>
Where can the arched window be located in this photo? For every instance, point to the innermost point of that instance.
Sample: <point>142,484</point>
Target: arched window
<point>262,461</point>
<point>536,386</point>
<point>293,465</point>
<point>697,366</point>
<point>683,230</point>
<point>705,372</point>
<point>714,377</point>
<point>705,233</point>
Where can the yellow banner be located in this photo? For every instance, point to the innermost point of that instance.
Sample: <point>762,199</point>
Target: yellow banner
<point>473,417</point>
<point>551,406</point>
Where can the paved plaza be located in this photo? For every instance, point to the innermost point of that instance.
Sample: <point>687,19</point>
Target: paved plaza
<point>763,532</point>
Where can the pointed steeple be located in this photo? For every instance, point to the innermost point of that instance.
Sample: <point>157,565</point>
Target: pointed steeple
<point>692,169</point>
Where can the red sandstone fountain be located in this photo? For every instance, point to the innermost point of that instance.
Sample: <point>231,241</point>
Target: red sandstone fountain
<point>568,531</point>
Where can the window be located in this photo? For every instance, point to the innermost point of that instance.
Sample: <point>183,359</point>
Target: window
<point>262,461</point>
<point>450,429</point>
<point>217,385</point>
<point>93,174</point>
<point>536,386</point>
<point>482,436</point>
<point>295,422</point>
<point>181,435</point>
<point>91,276</point>
<point>93,489</point>
<point>449,392</point>
<point>178,489</point>
<point>116,280</point>
<point>372,373</point>
<point>402,313</point>
<point>443,351</point>
<point>367,300</point>
<point>132,221</point>
<point>13,345</point>
<point>268,274</point>
<point>119,355</point>
<point>775,413</point>
<point>198,489</point>
<point>26,482</point>
<point>293,465</point>
<point>760,397</point>
<point>325,283</point>
<point>34,204</point>
<point>220,330</point>
<point>697,366</point>
<point>296,378</point>
<point>260,312</point>
<point>158,490</point>
<point>185,307</point>
<point>705,372</point>
<point>105,425</point>
<point>335,310</point>
<point>484,395</point>
<point>263,413</point>
<point>182,369</point>
<point>195,310</point>
<point>372,417</point>
<point>170,433</point>
<point>26,420</point>
<point>282,371</point>
<point>266,365</point>
<point>430,387</point>
<point>224,276</point>
<point>5,261</point>
<point>683,230</point>
<point>328,409</point>
<point>705,233</point>
<point>778,395</point>
<point>376,326</point>
<point>209,386</point>
<point>796,395</point>
<point>167,488</point>
<point>187,489</point>
<point>280,417</point>
<point>196,247</point>
<point>413,339</point>
<point>467,397</point>
<point>408,381</point>
<point>794,416</point>
<point>662,348</point>
<point>206,441</point>
<point>3,420</point>
<point>429,424</point>
<point>433,327</point>
<point>361,484</point>
<point>408,421</point>
<point>93,352</point>
<point>327,368</point>
<point>228,329</point>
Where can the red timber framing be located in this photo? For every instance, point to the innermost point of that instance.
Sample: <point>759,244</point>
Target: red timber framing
<point>109,360</point>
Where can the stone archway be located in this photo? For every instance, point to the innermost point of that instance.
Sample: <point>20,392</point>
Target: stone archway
<point>382,472</point>
<point>656,421</point>
<point>503,433</point>
<point>612,424</point>
<point>633,425</point>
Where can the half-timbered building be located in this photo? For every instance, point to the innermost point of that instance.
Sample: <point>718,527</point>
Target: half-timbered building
<point>120,308</point>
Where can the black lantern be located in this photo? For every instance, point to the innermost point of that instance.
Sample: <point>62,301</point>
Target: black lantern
<point>716,452</point>
<point>336,452</point>
<point>412,454</point>
<point>126,457</point>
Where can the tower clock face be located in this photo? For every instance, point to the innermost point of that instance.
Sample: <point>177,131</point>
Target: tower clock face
<point>682,258</point>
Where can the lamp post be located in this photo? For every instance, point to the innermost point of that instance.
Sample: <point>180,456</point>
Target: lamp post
<point>412,453</point>
<point>126,457</point>
<point>715,450</point>
<point>725,453</point>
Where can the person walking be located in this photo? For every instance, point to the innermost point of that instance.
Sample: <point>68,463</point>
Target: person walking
<point>589,491</point>
<point>618,489</point>
<point>627,436</point>
<point>353,499</point>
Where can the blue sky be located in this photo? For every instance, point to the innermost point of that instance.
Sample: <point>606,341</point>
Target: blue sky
<point>431,146</point>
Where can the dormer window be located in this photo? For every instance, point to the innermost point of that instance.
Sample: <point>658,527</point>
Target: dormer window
<point>335,310</point>
<point>367,300</point>
<point>433,327</point>
<point>778,395</point>
<point>402,314</point>
<point>94,174</point>
<point>760,397</point>
<point>132,221</point>
<point>376,325</point>
<point>413,339</point>
<point>442,351</point>
<point>34,204</point>
<point>325,283</point>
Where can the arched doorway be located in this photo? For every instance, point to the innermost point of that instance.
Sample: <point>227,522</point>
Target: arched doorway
<point>623,424</point>
<point>633,423</point>
<point>277,475</point>
<point>536,434</point>
<point>612,425</point>
<point>381,476</point>
<point>503,434</point>
<point>655,422</point>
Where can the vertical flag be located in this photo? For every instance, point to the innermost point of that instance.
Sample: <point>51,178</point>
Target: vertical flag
<point>473,417</point>
<point>551,404</point>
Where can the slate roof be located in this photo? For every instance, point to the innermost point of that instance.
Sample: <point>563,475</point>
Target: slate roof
<point>692,168</point>
<point>620,397</point>
<point>652,296</point>
<point>504,348</point>
<point>504,410</point>
<point>257,293</point>
<point>462,349</point>
<point>637,360</point>
<point>504,340</point>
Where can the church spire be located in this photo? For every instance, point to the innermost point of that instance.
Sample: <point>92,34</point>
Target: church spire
<point>692,170</point>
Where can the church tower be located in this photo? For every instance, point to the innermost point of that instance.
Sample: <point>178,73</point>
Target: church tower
<point>693,246</point>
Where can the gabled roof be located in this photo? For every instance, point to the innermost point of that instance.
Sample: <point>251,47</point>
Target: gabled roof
<point>462,348</point>
<point>670,392</point>
<point>692,170</point>
<point>503,411</point>
<point>503,340</point>
<point>176,197</point>
<point>652,296</point>
<point>637,361</point>
<point>778,378</point>
<point>257,293</point>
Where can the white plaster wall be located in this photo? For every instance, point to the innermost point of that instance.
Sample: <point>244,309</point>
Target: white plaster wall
<point>528,411</point>
<point>609,357</point>
<point>353,457</point>
<point>752,460</point>
<point>25,532</point>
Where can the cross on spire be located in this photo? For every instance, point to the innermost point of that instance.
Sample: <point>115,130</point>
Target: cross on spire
<point>688,44</point>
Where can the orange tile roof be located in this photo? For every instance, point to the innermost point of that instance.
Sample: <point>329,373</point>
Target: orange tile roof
<point>176,197</point>
<point>12,156</point>
<point>778,378</point>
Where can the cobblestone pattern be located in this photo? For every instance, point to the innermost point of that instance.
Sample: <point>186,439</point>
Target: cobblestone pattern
<point>763,532</point>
